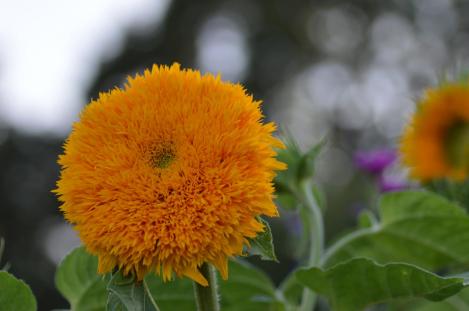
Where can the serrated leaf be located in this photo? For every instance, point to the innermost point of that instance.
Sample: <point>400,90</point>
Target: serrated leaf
<point>15,295</point>
<point>458,302</point>
<point>360,282</point>
<point>77,280</point>
<point>416,227</point>
<point>263,244</point>
<point>127,295</point>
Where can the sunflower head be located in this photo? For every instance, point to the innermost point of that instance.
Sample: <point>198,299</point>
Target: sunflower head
<point>169,173</point>
<point>435,143</point>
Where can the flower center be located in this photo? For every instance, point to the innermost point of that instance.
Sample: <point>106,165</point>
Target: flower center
<point>162,156</point>
<point>457,145</point>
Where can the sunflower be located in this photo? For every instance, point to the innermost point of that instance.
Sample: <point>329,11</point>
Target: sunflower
<point>435,144</point>
<point>169,173</point>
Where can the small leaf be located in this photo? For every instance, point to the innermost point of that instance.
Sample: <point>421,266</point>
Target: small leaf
<point>307,162</point>
<point>77,280</point>
<point>263,244</point>
<point>15,295</point>
<point>357,283</point>
<point>286,180</point>
<point>300,165</point>
<point>366,219</point>
<point>127,294</point>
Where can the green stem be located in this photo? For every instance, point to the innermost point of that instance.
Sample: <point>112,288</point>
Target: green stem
<point>334,248</point>
<point>150,297</point>
<point>206,297</point>
<point>313,220</point>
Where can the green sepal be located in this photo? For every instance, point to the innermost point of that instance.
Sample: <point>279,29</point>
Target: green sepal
<point>300,166</point>
<point>263,244</point>
<point>307,161</point>
<point>366,219</point>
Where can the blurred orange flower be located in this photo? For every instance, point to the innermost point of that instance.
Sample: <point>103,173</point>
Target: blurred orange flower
<point>435,144</point>
<point>169,173</point>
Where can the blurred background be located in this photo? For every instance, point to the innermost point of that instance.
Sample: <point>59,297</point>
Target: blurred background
<point>346,69</point>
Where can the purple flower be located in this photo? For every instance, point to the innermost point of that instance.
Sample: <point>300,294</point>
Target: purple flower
<point>375,161</point>
<point>389,183</point>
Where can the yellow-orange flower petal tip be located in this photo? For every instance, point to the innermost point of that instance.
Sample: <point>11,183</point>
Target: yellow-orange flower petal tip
<point>435,143</point>
<point>169,173</point>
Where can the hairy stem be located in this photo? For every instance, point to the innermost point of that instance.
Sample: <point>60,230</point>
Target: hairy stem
<point>206,297</point>
<point>312,219</point>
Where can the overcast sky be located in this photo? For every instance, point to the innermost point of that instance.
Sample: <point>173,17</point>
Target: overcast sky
<point>50,50</point>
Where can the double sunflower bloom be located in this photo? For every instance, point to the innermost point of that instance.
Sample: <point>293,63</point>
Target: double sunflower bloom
<point>169,173</point>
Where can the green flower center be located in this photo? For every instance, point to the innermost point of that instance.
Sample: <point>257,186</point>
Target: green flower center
<point>162,156</point>
<point>457,145</point>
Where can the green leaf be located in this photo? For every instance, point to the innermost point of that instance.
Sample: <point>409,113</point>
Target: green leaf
<point>247,288</point>
<point>286,180</point>
<point>263,244</point>
<point>78,282</point>
<point>15,295</point>
<point>360,282</point>
<point>420,228</point>
<point>300,165</point>
<point>177,294</point>
<point>307,161</point>
<point>291,290</point>
<point>287,201</point>
<point>453,191</point>
<point>458,302</point>
<point>127,295</point>
<point>366,219</point>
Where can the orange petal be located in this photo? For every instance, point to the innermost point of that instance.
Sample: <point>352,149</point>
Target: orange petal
<point>221,263</point>
<point>196,276</point>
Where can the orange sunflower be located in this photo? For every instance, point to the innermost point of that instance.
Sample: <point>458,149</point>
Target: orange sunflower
<point>169,173</point>
<point>435,144</point>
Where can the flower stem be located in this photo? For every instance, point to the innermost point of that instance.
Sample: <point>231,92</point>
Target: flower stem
<point>312,219</point>
<point>150,297</point>
<point>206,297</point>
